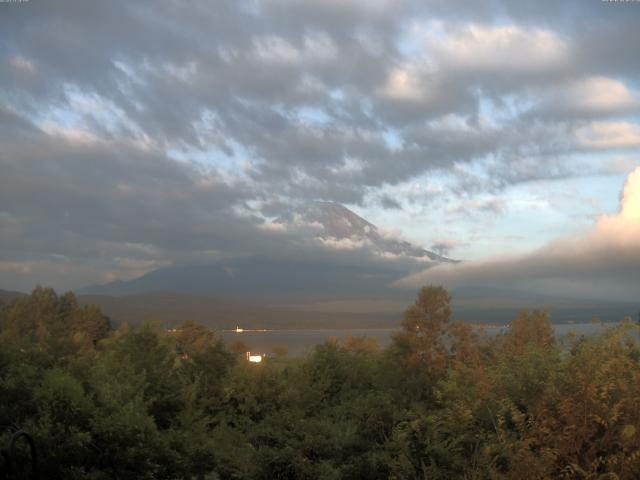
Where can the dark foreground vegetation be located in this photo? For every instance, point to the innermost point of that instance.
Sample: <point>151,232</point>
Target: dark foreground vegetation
<point>439,403</point>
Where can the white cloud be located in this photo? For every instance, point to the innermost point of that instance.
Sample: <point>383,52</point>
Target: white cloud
<point>344,243</point>
<point>629,215</point>
<point>404,83</point>
<point>271,226</point>
<point>75,136</point>
<point>594,95</point>
<point>440,50</point>
<point>506,48</point>
<point>600,94</point>
<point>316,47</point>
<point>609,135</point>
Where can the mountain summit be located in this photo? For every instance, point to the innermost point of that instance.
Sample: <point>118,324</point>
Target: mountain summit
<point>338,222</point>
<point>294,276</point>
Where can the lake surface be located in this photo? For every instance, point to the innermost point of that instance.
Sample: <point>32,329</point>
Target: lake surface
<point>299,342</point>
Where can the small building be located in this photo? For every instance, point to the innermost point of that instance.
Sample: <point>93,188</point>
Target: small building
<point>254,358</point>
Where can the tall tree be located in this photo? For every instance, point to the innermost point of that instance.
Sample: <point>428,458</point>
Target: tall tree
<point>420,345</point>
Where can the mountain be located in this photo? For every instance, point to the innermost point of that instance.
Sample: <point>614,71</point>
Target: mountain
<point>338,222</point>
<point>291,279</point>
<point>258,278</point>
<point>8,295</point>
<point>300,292</point>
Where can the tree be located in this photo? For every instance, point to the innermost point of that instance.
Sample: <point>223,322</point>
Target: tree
<point>529,329</point>
<point>420,345</point>
<point>238,347</point>
<point>90,324</point>
<point>361,345</point>
<point>193,338</point>
<point>280,350</point>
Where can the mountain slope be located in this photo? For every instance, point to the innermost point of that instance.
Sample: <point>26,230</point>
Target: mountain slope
<point>338,222</point>
<point>8,295</point>
<point>257,277</point>
<point>299,278</point>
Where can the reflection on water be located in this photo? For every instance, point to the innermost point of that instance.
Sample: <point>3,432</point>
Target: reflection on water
<point>299,342</point>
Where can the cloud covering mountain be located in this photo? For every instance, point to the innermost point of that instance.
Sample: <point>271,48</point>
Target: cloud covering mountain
<point>600,262</point>
<point>338,227</point>
<point>138,135</point>
<point>356,261</point>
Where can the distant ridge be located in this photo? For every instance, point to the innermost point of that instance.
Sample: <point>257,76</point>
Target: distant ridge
<point>259,277</point>
<point>9,295</point>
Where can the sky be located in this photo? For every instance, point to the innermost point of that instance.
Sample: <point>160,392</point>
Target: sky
<point>135,135</point>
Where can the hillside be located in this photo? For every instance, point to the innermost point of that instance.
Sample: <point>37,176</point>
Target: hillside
<point>8,295</point>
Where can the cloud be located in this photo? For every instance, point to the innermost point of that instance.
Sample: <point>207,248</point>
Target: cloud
<point>602,135</point>
<point>403,84</point>
<point>625,226</point>
<point>234,79</point>
<point>344,243</point>
<point>82,204</point>
<point>512,47</point>
<point>601,262</point>
<point>489,208</point>
<point>77,209</point>
<point>22,65</point>
<point>157,132</point>
<point>314,48</point>
<point>592,96</point>
<point>443,246</point>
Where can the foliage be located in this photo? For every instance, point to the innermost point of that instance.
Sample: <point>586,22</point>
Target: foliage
<point>441,402</point>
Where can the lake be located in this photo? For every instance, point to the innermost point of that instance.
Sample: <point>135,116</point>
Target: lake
<point>299,342</point>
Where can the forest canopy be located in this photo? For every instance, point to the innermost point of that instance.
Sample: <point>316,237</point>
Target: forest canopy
<point>442,401</point>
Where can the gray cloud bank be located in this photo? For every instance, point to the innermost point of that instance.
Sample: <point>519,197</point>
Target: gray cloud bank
<point>601,263</point>
<point>136,134</point>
